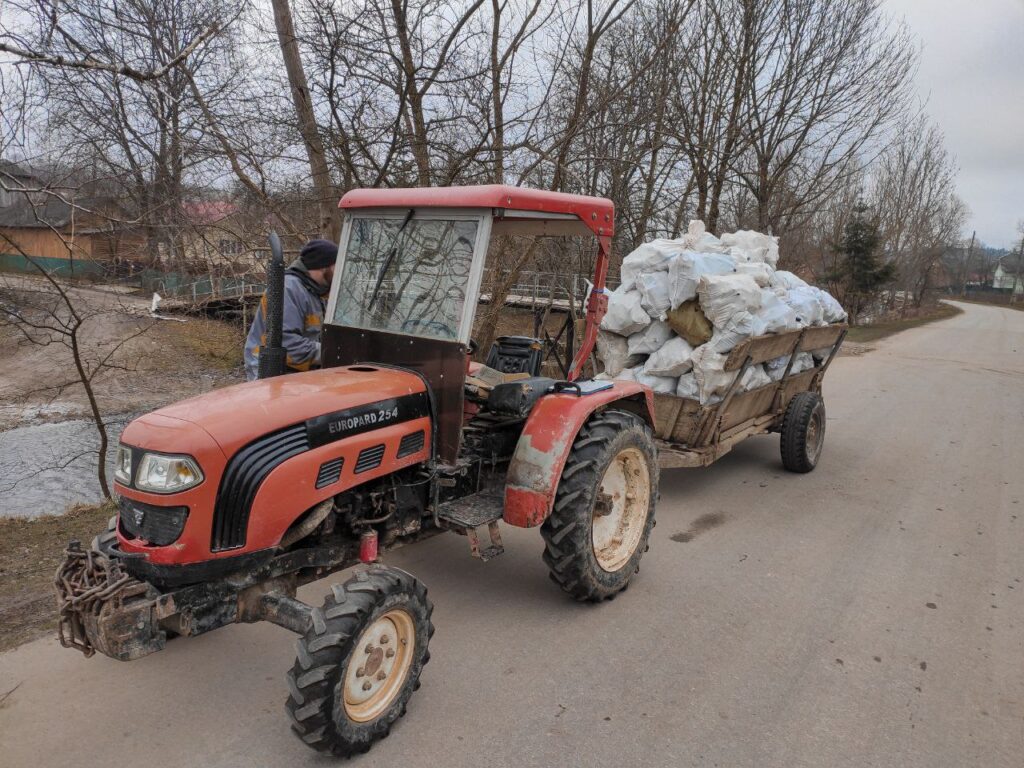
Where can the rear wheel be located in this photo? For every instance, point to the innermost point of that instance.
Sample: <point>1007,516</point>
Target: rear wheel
<point>360,661</point>
<point>803,432</point>
<point>604,507</point>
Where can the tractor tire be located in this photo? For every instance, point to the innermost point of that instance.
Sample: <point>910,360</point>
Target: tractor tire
<point>604,507</point>
<point>803,432</point>
<point>346,690</point>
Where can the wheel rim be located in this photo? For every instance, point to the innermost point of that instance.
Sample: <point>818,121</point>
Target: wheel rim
<point>620,510</point>
<point>379,665</point>
<point>815,436</point>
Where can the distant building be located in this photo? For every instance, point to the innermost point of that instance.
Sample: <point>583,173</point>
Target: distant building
<point>55,223</point>
<point>1007,276</point>
<point>216,237</point>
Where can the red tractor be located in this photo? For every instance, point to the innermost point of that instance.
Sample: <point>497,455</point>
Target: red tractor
<point>230,500</point>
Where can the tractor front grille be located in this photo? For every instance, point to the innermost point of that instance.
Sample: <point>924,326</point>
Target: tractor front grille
<point>242,478</point>
<point>159,526</point>
<point>411,443</point>
<point>329,472</point>
<point>369,458</point>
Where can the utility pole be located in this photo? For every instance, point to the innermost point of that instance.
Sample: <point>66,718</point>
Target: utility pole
<point>967,266</point>
<point>1020,267</point>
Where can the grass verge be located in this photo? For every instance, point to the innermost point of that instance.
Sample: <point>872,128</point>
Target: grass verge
<point>30,551</point>
<point>862,334</point>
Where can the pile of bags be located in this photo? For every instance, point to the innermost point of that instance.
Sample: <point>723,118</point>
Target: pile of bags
<point>684,304</point>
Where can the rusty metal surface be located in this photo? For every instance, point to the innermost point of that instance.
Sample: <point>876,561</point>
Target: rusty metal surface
<point>442,364</point>
<point>95,607</point>
<point>544,445</point>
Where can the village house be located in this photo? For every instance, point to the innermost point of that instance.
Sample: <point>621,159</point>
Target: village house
<point>1008,275</point>
<point>54,223</point>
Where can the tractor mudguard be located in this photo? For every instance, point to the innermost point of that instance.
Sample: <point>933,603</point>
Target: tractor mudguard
<point>544,445</point>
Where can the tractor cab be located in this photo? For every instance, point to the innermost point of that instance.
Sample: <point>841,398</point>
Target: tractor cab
<point>409,274</point>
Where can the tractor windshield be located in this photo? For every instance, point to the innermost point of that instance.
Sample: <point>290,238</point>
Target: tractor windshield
<point>406,275</point>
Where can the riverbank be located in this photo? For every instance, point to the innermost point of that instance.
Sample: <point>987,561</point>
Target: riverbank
<point>30,551</point>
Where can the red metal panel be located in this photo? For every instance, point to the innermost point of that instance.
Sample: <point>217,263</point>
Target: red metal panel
<point>598,213</point>
<point>544,446</point>
<point>597,306</point>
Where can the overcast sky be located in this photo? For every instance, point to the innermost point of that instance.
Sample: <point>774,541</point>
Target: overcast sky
<point>972,78</point>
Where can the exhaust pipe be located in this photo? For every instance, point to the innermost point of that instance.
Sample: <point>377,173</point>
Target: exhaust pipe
<point>272,356</point>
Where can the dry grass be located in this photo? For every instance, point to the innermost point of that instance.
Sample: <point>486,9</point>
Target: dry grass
<point>30,551</point>
<point>866,333</point>
<point>215,343</point>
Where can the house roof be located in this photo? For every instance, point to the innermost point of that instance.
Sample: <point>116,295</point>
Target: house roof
<point>1010,267</point>
<point>208,211</point>
<point>51,212</point>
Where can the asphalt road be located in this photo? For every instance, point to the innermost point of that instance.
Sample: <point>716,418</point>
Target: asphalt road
<point>868,614</point>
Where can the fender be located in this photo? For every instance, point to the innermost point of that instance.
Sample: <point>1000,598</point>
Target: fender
<point>547,438</point>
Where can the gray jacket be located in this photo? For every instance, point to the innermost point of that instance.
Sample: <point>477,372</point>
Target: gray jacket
<point>304,303</point>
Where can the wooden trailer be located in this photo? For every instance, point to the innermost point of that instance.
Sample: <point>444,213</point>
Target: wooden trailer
<point>693,435</point>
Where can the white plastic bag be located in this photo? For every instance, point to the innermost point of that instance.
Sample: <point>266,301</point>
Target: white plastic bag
<point>759,247</point>
<point>613,351</point>
<point>754,377</point>
<point>712,380</point>
<point>739,328</point>
<point>649,257</point>
<point>758,270</point>
<point>776,314</point>
<point>629,374</point>
<point>697,238</point>
<point>819,355</point>
<point>664,385</point>
<point>777,367</point>
<point>785,280</point>
<point>625,316</point>
<point>686,269</point>
<point>654,298</point>
<point>688,387</point>
<point>672,359</point>
<point>804,301</point>
<point>831,309</point>
<point>724,296</point>
<point>650,339</point>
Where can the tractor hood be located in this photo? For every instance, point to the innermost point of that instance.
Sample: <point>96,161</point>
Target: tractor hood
<point>236,415</point>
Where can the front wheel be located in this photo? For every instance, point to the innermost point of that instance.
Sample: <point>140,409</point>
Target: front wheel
<point>803,432</point>
<point>604,507</point>
<point>360,661</point>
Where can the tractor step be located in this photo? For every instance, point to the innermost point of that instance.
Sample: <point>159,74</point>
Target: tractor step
<point>472,513</point>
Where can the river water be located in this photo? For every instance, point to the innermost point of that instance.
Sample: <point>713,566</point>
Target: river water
<point>46,467</point>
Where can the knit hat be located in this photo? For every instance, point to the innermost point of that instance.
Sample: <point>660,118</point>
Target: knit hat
<point>319,254</point>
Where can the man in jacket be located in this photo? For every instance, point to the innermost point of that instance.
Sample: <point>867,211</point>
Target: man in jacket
<point>307,282</point>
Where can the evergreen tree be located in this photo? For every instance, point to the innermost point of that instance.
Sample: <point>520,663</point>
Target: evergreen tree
<point>860,274</point>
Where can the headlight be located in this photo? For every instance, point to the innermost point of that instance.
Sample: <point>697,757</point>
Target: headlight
<point>167,474</point>
<point>123,465</point>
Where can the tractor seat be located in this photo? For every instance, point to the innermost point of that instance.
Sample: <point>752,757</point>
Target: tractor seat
<point>516,354</point>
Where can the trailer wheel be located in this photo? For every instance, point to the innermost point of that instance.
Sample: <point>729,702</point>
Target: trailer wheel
<point>360,661</point>
<point>803,432</point>
<point>604,507</point>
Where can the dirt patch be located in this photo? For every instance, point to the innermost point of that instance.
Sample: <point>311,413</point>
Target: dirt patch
<point>861,334</point>
<point>149,362</point>
<point>30,551</point>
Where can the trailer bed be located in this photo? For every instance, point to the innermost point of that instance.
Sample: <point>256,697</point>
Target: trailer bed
<point>693,435</point>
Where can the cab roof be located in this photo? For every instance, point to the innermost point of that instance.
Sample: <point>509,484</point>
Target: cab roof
<point>513,207</point>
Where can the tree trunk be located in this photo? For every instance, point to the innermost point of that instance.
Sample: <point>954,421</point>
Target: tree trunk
<point>329,220</point>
